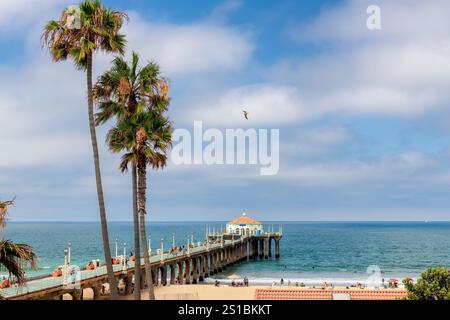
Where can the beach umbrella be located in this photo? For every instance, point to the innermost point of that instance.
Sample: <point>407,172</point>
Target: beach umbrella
<point>393,280</point>
<point>234,276</point>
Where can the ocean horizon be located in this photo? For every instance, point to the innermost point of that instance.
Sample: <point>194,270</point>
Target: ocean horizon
<point>312,252</point>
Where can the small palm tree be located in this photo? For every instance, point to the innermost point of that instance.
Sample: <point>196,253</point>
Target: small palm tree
<point>146,136</point>
<point>121,92</point>
<point>98,30</point>
<point>4,214</point>
<point>14,256</point>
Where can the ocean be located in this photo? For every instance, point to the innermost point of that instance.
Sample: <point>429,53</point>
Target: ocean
<point>311,252</point>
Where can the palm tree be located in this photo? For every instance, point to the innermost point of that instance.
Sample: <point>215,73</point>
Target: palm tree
<point>98,31</point>
<point>14,256</point>
<point>146,136</point>
<point>121,92</point>
<point>152,144</point>
<point>4,214</point>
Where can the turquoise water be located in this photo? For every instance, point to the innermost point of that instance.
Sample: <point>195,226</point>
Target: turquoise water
<point>310,251</point>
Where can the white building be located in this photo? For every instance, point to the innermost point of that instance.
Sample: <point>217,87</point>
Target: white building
<point>245,225</point>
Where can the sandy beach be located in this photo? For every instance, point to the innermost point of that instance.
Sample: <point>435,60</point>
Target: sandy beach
<point>224,292</point>
<point>202,292</point>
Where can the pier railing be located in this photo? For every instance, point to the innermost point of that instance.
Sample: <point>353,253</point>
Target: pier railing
<point>214,242</point>
<point>50,282</point>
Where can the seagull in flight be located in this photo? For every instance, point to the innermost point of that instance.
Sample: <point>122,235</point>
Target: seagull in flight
<point>245,114</point>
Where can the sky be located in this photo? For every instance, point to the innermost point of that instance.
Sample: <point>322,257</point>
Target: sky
<point>363,114</point>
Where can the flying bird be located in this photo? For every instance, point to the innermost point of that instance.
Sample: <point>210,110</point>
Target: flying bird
<point>245,114</point>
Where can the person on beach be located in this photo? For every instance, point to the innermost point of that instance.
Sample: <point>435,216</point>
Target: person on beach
<point>281,281</point>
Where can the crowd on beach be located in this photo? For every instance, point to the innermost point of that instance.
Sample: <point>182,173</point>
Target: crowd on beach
<point>244,283</point>
<point>390,284</point>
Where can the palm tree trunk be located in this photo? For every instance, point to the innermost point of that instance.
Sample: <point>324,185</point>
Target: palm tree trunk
<point>142,172</point>
<point>137,248</point>
<point>101,202</point>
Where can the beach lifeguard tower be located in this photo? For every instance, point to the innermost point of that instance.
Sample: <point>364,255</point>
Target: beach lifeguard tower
<point>244,225</point>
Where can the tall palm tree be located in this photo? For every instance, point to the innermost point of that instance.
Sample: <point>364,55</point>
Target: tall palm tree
<point>14,256</point>
<point>98,31</point>
<point>121,92</point>
<point>146,136</point>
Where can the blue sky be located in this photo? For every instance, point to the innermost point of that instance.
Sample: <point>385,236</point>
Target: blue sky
<point>363,115</point>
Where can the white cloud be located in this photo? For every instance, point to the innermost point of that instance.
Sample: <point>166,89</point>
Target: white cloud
<point>326,135</point>
<point>16,14</point>
<point>41,149</point>
<point>402,20</point>
<point>399,170</point>
<point>402,70</point>
<point>221,12</point>
<point>46,114</point>
<point>267,105</point>
<point>315,142</point>
<point>183,49</point>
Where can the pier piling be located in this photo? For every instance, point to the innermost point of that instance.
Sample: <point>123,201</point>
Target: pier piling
<point>266,248</point>
<point>277,248</point>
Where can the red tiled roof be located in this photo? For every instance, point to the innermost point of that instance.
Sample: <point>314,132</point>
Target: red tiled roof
<point>244,220</point>
<point>320,294</point>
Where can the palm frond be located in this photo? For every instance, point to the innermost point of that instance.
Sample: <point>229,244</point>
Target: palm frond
<point>99,30</point>
<point>14,256</point>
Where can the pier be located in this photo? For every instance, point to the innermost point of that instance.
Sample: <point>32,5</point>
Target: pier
<point>192,265</point>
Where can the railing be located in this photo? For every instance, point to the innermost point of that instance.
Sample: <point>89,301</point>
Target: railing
<point>53,282</point>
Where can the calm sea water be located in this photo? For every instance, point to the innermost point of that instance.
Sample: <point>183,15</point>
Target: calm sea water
<point>310,251</point>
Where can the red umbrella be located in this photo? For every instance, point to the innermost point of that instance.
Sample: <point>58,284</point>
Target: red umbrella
<point>393,280</point>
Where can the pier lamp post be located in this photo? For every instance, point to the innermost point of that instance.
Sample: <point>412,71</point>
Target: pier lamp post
<point>65,268</point>
<point>188,249</point>
<point>192,239</point>
<point>221,240</point>
<point>173,241</point>
<point>117,248</point>
<point>124,268</point>
<point>69,246</point>
<point>162,249</point>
